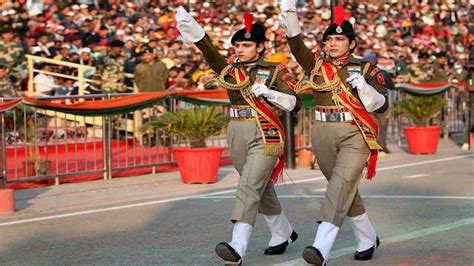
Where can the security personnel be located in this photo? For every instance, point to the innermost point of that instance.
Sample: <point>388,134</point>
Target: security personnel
<point>13,57</point>
<point>150,74</point>
<point>346,91</point>
<point>6,87</point>
<point>422,71</point>
<point>440,68</point>
<point>258,92</point>
<point>112,69</point>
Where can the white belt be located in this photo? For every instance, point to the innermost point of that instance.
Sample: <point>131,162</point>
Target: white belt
<point>332,117</point>
<point>246,112</point>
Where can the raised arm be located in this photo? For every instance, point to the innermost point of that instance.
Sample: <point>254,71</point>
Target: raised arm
<point>191,31</point>
<point>290,23</point>
<point>215,60</point>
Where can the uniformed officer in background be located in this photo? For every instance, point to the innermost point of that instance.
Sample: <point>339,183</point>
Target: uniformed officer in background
<point>112,69</point>
<point>12,57</point>
<point>421,71</point>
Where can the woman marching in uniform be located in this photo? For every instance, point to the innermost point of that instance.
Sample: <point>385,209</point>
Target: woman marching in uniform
<point>346,91</point>
<point>259,92</point>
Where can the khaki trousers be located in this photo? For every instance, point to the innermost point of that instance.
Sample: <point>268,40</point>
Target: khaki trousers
<point>254,193</point>
<point>342,154</point>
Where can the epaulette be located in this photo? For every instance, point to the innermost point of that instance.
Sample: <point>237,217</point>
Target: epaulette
<point>366,68</point>
<point>380,78</point>
<point>374,71</point>
<point>281,66</point>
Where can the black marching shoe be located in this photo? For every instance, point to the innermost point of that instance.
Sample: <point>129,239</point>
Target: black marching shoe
<point>280,249</point>
<point>367,254</point>
<point>312,256</point>
<point>228,254</point>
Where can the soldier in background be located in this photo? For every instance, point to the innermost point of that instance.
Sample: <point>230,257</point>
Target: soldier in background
<point>112,69</point>
<point>150,74</point>
<point>6,87</point>
<point>440,67</point>
<point>12,57</point>
<point>422,71</point>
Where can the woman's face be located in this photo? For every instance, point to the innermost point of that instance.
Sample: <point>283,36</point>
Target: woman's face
<point>248,51</point>
<point>338,45</point>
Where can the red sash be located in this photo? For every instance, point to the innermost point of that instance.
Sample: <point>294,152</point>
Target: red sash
<point>272,129</point>
<point>366,123</point>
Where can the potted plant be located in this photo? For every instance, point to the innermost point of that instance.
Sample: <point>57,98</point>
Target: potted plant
<point>197,163</point>
<point>422,137</point>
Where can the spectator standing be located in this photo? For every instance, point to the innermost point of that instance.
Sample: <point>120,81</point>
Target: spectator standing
<point>43,44</point>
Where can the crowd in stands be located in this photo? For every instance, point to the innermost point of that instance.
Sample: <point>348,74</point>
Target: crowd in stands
<point>118,37</point>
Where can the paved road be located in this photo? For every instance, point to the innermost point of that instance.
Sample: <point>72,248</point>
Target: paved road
<point>421,206</point>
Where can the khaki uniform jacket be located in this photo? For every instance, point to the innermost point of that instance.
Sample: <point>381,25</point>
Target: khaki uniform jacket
<point>151,77</point>
<point>440,73</point>
<point>417,74</point>
<point>284,81</point>
<point>13,57</point>
<point>307,61</point>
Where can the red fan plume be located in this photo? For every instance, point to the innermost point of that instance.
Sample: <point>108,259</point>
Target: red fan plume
<point>248,19</point>
<point>338,14</point>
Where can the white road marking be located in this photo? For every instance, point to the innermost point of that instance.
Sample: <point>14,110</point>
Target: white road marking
<point>127,206</point>
<point>319,189</point>
<point>363,196</point>
<point>415,176</point>
<point>303,180</point>
<point>393,239</point>
<point>112,208</point>
<point>426,162</point>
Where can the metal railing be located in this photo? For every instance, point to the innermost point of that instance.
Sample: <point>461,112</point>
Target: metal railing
<point>42,146</point>
<point>49,146</point>
<point>80,70</point>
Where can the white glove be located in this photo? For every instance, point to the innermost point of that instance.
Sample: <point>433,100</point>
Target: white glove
<point>369,96</point>
<point>288,5</point>
<point>282,100</point>
<point>289,19</point>
<point>260,90</point>
<point>188,26</point>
